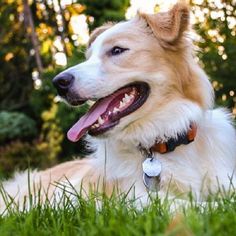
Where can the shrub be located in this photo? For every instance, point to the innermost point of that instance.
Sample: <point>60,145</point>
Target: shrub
<point>15,125</point>
<point>18,155</point>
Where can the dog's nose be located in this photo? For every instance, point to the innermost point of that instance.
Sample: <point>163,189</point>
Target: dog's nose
<point>63,82</point>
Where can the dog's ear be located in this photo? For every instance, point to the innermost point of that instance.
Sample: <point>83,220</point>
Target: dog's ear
<point>169,26</point>
<point>95,33</point>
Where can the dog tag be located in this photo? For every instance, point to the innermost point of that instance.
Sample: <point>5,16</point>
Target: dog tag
<point>151,173</point>
<point>152,167</point>
<point>151,183</point>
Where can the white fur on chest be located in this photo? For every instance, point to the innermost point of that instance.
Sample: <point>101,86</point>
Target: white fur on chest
<point>202,166</point>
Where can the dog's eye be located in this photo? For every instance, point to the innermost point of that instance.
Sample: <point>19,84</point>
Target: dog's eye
<point>117,51</point>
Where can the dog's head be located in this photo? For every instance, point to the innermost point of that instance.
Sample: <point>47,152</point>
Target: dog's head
<point>141,73</point>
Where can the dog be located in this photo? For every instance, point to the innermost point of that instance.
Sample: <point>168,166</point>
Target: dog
<point>152,125</point>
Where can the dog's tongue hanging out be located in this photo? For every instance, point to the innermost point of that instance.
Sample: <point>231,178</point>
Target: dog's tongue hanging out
<point>107,111</point>
<point>86,121</point>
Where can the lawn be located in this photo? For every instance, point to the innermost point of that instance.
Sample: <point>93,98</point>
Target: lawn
<point>117,216</point>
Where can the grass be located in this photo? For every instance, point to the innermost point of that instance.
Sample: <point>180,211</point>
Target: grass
<point>117,216</point>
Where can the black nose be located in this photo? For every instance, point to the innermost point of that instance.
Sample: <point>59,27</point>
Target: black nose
<point>63,82</point>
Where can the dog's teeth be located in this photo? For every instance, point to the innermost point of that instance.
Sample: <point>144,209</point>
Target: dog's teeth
<point>100,120</point>
<point>109,113</point>
<point>95,126</point>
<point>115,110</point>
<point>127,96</point>
<point>126,99</point>
<point>121,104</point>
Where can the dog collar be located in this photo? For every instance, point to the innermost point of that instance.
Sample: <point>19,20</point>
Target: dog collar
<point>152,167</point>
<point>172,143</point>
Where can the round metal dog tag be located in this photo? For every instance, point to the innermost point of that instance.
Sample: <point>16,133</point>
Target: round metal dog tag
<point>151,183</point>
<point>152,167</point>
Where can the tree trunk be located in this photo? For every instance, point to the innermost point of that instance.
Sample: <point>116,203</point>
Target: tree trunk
<point>29,23</point>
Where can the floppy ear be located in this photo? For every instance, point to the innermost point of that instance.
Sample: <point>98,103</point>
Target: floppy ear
<point>169,26</point>
<point>95,33</point>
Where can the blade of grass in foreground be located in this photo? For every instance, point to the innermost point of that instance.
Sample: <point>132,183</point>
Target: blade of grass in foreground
<point>116,215</point>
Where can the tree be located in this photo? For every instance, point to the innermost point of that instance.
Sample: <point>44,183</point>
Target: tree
<point>216,24</point>
<point>15,61</point>
<point>101,11</point>
<point>30,29</point>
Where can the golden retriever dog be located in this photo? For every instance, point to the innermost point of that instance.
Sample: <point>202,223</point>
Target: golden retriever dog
<point>152,124</point>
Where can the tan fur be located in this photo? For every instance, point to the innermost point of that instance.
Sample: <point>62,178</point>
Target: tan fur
<point>95,33</point>
<point>48,180</point>
<point>169,26</point>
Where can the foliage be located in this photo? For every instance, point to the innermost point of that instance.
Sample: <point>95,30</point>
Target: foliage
<point>15,125</point>
<point>51,133</point>
<point>15,61</point>
<point>17,54</point>
<point>20,155</point>
<point>118,216</point>
<point>216,26</point>
<point>101,11</point>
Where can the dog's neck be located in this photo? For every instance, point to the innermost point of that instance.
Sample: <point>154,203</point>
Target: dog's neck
<point>112,149</point>
<point>160,126</point>
<point>123,146</point>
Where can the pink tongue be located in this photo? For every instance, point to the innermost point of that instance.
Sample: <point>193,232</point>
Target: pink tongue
<point>84,123</point>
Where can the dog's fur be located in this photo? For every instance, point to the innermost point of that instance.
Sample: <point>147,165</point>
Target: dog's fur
<point>161,54</point>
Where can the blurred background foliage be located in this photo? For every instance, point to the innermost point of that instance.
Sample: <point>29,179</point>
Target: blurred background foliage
<point>40,38</point>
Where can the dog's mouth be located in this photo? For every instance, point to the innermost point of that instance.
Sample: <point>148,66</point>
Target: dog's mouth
<point>107,112</point>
